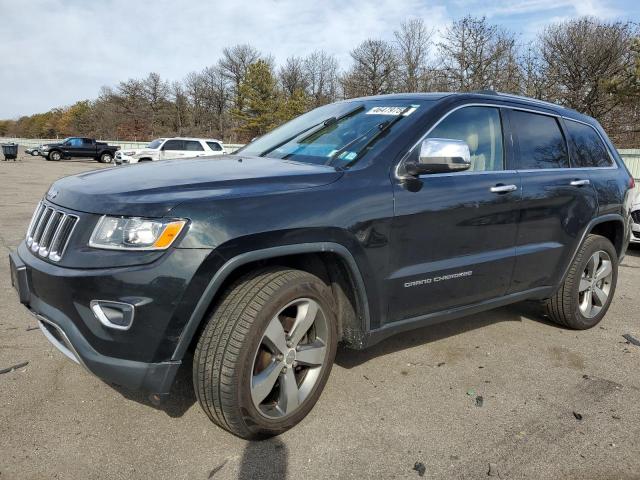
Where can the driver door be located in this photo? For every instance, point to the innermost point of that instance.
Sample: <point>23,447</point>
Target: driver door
<point>454,234</point>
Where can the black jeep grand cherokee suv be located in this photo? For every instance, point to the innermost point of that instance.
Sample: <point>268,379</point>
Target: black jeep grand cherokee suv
<point>353,222</point>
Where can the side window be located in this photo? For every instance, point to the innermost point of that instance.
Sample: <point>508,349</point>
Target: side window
<point>540,141</point>
<point>481,129</point>
<point>173,145</point>
<point>588,149</point>
<point>76,142</point>
<point>86,141</point>
<point>193,146</point>
<point>215,146</point>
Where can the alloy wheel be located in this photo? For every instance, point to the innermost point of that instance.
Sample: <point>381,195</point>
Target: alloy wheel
<point>595,284</point>
<point>290,358</point>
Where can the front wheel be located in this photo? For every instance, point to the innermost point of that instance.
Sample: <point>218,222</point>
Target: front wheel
<point>585,296</point>
<point>266,352</point>
<point>55,156</point>
<point>106,158</point>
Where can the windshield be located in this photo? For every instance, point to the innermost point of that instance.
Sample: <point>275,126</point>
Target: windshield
<point>337,134</point>
<point>156,143</point>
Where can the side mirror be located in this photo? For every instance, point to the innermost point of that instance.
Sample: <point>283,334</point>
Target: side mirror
<point>440,155</point>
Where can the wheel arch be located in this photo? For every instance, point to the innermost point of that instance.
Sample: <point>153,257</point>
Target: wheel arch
<point>344,278</point>
<point>610,226</point>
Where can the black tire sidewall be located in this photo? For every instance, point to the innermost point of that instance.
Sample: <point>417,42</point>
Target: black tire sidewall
<point>595,244</point>
<point>310,287</point>
<point>53,154</point>
<point>101,159</point>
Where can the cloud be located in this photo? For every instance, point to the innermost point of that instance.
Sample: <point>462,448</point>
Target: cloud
<point>55,52</point>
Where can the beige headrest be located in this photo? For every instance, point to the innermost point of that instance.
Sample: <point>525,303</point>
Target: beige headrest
<point>472,141</point>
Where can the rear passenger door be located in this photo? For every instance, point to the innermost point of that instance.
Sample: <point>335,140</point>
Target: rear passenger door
<point>557,203</point>
<point>193,148</point>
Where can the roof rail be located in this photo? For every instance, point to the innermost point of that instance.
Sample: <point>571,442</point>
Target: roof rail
<point>485,92</point>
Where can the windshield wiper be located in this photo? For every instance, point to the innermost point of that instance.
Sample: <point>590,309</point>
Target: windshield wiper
<point>380,129</point>
<point>318,127</point>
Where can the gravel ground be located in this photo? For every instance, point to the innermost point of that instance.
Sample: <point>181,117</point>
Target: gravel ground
<point>413,398</point>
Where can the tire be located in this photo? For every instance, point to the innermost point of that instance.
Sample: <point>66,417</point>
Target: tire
<point>106,157</point>
<point>234,357</point>
<point>569,306</point>
<point>54,156</point>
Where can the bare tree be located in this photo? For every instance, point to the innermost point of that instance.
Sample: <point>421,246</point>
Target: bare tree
<point>216,93</point>
<point>587,61</point>
<point>155,92</point>
<point>412,41</point>
<point>476,55</point>
<point>234,64</point>
<point>292,76</point>
<point>180,108</point>
<point>374,70</point>
<point>321,72</point>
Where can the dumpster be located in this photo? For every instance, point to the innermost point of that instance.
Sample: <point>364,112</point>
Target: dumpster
<point>10,151</point>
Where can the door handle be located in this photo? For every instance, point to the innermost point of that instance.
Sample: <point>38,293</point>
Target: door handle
<point>503,188</point>
<point>579,183</point>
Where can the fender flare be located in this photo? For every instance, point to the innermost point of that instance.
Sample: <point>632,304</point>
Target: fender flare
<point>588,229</point>
<point>232,264</point>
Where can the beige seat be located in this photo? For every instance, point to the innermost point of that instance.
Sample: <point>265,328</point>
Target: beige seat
<point>478,161</point>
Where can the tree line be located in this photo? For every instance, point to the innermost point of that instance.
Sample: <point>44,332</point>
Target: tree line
<point>586,64</point>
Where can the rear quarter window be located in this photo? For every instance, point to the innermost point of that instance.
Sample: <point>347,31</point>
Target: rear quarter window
<point>588,151</point>
<point>540,141</point>
<point>215,146</point>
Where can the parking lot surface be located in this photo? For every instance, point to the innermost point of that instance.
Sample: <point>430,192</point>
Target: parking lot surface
<point>554,403</point>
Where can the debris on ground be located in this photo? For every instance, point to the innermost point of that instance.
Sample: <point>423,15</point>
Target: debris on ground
<point>479,401</point>
<point>217,469</point>
<point>585,376</point>
<point>471,392</point>
<point>29,329</point>
<point>631,339</point>
<point>441,364</point>
<point>420,468</point>
<point>616,417</point>
<point>14,367</point>
<point>577,415</point>
<point>493,470</point>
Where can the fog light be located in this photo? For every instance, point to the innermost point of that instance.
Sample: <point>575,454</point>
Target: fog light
<point>116,315</point>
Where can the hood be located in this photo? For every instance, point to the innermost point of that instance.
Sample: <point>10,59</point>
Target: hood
<point>153,189</point>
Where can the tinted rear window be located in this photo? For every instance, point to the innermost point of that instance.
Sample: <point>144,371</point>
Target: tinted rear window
<point>540,141</point>
<point>214,146</point>
<point>588,149</point>
<point>193,146</point>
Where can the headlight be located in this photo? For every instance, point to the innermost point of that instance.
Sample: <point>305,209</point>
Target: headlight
<point>44,147</point>
<point>135,233</point>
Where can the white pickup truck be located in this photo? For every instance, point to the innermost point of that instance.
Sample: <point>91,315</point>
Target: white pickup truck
<point>171,148</point>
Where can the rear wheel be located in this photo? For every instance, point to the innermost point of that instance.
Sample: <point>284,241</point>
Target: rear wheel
<point>266,352</point>
<point>584,297</point>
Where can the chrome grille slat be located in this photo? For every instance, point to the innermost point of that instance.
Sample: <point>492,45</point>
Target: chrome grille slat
<point>33,223</point>
<point>50,231</point>
<point>40,228</point>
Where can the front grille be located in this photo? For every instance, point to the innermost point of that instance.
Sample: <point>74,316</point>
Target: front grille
<point>636,216</point>
<point>49,231</point>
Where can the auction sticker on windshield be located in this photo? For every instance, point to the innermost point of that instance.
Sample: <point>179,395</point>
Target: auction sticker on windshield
<point>394,111</point>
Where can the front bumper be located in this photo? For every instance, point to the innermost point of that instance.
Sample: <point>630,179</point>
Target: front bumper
<point>138,359</point>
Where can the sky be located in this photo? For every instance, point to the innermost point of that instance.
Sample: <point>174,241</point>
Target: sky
<point>56,52</point>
